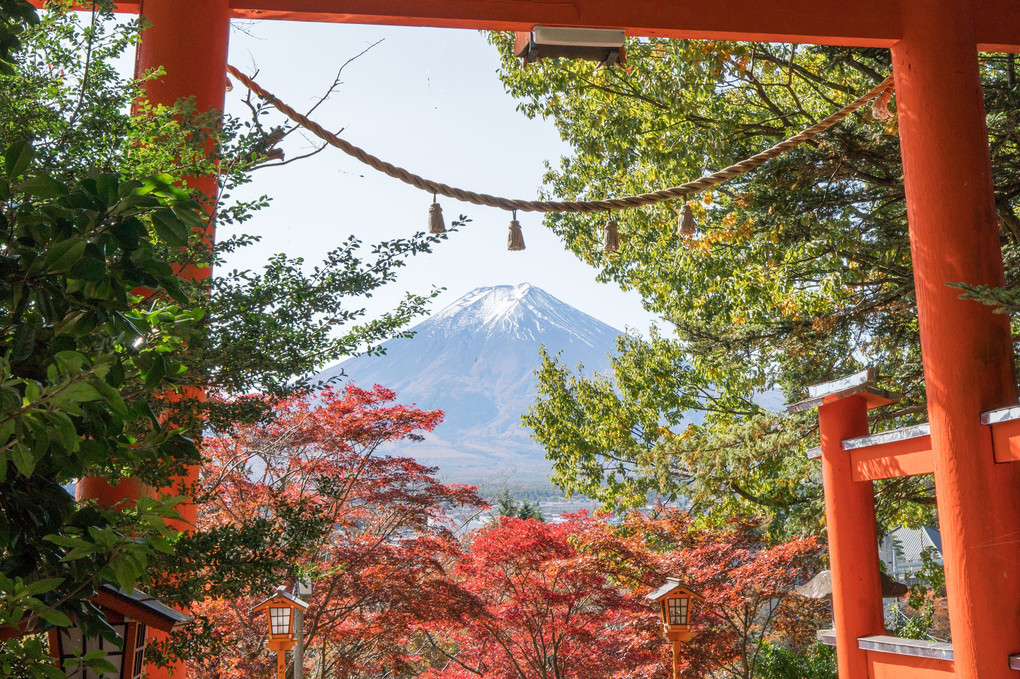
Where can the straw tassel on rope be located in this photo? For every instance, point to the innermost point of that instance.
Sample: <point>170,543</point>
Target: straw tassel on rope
<point>686,225</point>
<point>515,239</point>
<point>612,235</point>
<point>880,106</point>
<point>436,223</point>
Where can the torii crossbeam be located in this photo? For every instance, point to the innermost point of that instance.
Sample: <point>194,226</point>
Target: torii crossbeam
<point>966,349</point>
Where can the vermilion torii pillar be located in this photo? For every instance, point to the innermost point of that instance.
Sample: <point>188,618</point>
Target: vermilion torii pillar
<point>188,39</point>
<point>967,351</point>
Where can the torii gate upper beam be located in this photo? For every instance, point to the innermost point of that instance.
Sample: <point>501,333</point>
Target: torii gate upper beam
<point>854,23</point>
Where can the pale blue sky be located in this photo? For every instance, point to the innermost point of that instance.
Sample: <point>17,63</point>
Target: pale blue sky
<point>428,100</point>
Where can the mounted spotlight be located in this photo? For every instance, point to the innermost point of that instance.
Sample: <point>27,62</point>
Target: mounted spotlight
<point>604,45</point>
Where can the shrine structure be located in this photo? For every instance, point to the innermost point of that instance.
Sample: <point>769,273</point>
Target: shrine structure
<point>966,349</point>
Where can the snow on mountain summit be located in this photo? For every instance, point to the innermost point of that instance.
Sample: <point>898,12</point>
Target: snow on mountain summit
<point>523,310</point>
<point>475,360</point>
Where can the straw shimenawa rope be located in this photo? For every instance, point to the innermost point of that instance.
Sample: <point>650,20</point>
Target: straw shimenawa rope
<point>623,203</point>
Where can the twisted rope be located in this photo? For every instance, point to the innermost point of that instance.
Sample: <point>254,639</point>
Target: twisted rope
<point>588,206</point>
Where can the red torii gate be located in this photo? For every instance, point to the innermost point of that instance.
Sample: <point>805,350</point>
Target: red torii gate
<point>967,350</point>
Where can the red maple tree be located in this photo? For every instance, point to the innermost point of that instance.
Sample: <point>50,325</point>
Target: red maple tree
<point>747,582</point>
<point>382,531</point>
<point>567,601</point>
<point>541,609</point>
<point>397,595</point>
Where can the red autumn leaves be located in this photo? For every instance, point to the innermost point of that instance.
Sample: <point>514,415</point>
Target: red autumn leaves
<point>399,593</point>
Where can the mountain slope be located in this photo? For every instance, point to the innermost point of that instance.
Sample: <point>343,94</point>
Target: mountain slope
<point>475,360</point>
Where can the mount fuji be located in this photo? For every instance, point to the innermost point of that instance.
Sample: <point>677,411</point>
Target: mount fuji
<point>475,360</point>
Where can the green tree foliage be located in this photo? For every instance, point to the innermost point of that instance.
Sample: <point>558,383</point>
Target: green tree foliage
<point>507,505</point>
<point>15,17</point>
<point>778,662</point>
<point>105,345</point>
<point>799,271</point>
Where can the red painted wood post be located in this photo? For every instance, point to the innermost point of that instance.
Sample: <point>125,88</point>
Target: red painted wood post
<point>188,38</point>
<point>852,536</point>
<point>966,349</point>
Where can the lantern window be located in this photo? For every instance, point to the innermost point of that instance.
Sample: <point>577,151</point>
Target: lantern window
<point>279,620</point>
<point>72,647</point>
<point>678,611</point>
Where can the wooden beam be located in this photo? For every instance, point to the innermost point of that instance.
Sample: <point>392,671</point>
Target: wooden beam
<point>865,23</point>
<point>1005,424</point>
<point>911,457</point>
<point>1006,441</point>
<point>891,666</point>
<point>854,23</point>
<point>891,454</point>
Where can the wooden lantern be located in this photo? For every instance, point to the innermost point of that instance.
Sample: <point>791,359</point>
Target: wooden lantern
<point>677,607</point>
<point>279,610</point>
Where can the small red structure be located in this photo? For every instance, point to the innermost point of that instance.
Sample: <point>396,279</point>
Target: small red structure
<point>852,459</point>
<point>131,616</point>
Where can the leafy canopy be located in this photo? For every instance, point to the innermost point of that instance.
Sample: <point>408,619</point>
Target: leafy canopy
<point>108,342</point>
<point>799,271</point>
<point>369,532</point>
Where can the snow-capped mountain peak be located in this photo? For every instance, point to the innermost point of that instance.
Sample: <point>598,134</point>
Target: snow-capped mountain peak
<point>475,360</point>
<point>524,311</point>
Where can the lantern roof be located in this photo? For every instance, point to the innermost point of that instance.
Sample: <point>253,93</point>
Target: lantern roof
<point>142,607</point>
<point>281,596</point>
<point>671,586</point>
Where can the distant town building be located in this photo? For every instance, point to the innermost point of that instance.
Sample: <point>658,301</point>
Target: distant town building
<point>901,551</point>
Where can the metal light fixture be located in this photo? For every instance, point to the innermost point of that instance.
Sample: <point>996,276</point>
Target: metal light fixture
<point>677,605</point>
<point>604,45</point>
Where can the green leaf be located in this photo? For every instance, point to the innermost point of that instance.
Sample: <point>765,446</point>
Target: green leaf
<point>18,157</point>
<point>69,541</point>
<point>68,435</point>
<point>65,254</point>
<point>42,586</point>
<point>192,216</point>
<point>125,574</point>
<point>6,431</point>
<point>112,397</point>
<point>128,233</point>
<point>55,617</point>
<point>171,229</point>
<point>156,372</point>
<point>89,269</point>
<point>43,187</point>
<point>23,459</point>
<point>79,391</point>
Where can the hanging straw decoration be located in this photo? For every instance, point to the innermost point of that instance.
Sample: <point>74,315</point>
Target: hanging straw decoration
<point>436,223</point>
<point>515,240</point>
<point>878,96</point>
<point>686,224</point>
<point>880,106</point>
<point>612,235</point>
